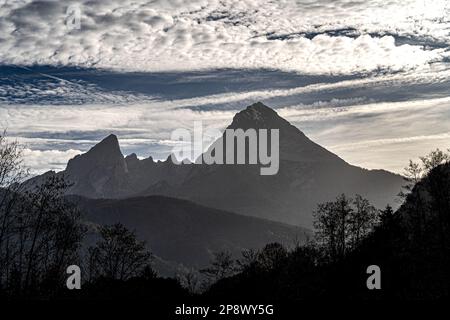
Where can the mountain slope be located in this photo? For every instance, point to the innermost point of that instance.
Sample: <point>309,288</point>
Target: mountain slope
<point>100,172</point>
<point>183,232</point>
<point>308,174</point>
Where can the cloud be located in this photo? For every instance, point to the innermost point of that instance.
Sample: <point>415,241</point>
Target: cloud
<point>392,153</point>
<point>43,161</point>
<point>325,111</point>
<point>51,90</point>
<point>381,142</point>
<point>167,35</point>
<point>233,87</point>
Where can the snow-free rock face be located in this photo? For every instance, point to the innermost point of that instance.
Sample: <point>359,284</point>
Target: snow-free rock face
<point>294,144</point>
<point>100,172</point>
<point>308,174</point>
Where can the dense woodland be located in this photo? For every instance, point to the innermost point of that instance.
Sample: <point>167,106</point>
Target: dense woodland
<point>41,233</point>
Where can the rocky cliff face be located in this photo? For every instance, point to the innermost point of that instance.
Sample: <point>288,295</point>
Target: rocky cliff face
<point>100,172</point>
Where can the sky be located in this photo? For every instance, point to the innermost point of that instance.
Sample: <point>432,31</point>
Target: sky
<point>368,80</point>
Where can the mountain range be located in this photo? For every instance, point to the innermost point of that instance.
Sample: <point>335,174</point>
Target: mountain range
<point>308,174</point>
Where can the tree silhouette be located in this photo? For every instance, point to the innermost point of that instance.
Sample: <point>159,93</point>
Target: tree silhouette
<point>248,260</point>
<point>11,174</point>
<point>189,278</point>
<point>44,237</point>
<point>331,224</point>
<point>51,231</point>
<point>40,231</point>
<point>271,256</point>
<point>415,171</point>
<point>222,265</point>
<point>386,216</point>
<point>363,217</point>
<point>434,159</point>
<point>118,254</point>
<point>342,224</point>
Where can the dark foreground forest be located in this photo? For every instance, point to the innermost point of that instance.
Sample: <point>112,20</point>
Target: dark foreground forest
<point>42,233</point>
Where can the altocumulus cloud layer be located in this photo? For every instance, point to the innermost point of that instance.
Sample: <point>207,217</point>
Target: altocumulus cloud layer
<point>306,36</point>
<point>367,79</point>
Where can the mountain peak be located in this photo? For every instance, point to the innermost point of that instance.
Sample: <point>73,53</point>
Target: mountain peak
<point>259,116</point>
<point>108,148</point>
<point>131,157</point>
<point>111,137</point>
<point>258,111</point>
<point>109,143</point>
<point>105,152</point>
<point>294,144</point>
<point>259,106</point>
<point>100,172</point>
